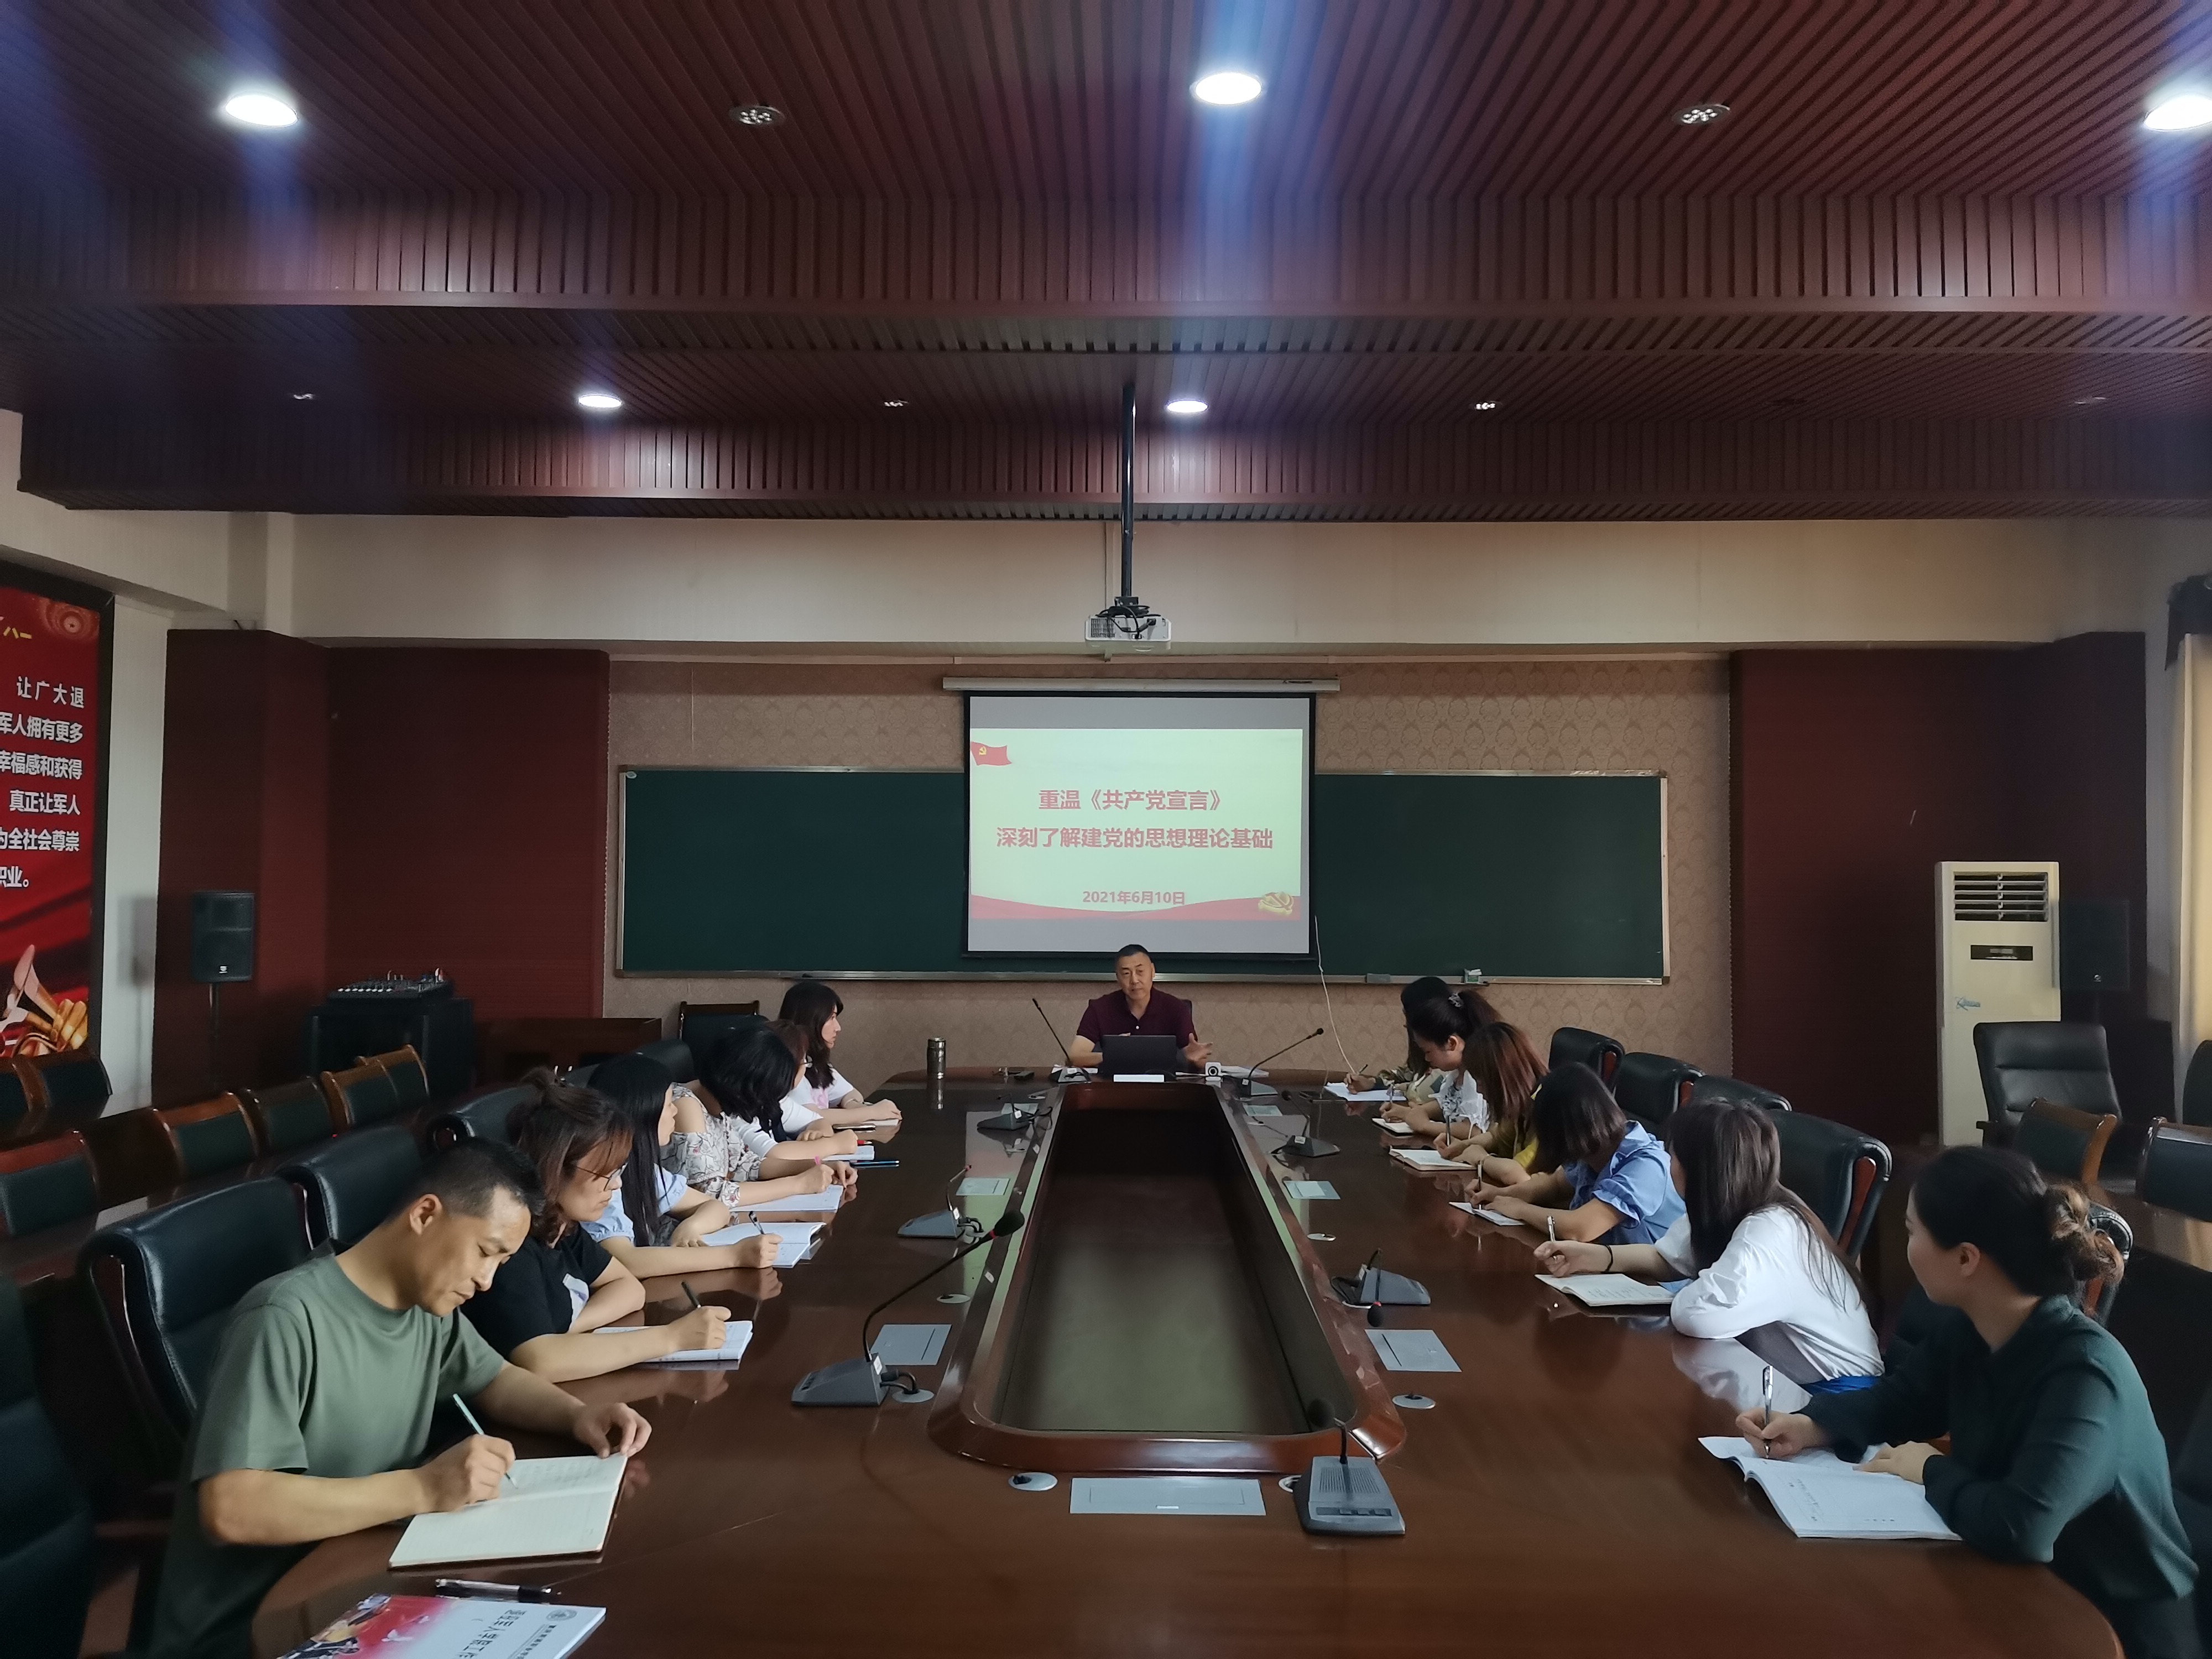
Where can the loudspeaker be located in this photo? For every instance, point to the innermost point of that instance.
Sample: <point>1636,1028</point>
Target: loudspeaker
<point>2093,953</point>
<point>222,938</point>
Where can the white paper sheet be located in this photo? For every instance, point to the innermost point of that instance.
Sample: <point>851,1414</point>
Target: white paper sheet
<point>865,1153</point>
<point>1490,1215</point>
<point>1412,1351</point>
<point>1424,1157</point>
<point>910,1345</point>
<point>797,1237</point>
<point>1364,1096</point>
<point>1164,1494</point>
<point>1610,1290</point>
<point>551,1506</point>
<point>985,1187</point>
<point>1818,1495</point>
<point>1309,1189</point>
<point>735,1337</point>
<point>1390,1126</point>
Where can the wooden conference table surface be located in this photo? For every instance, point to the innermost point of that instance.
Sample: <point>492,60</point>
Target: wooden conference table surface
<point>1556,1499</point>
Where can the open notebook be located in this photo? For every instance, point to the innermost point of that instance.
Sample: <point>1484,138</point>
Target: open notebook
<point>797,1237</point>
<point>1610,1290</point>
<point>736,1336</point>
<point>551,1506</point>
<point>1818,1495</point>
<point>1423,1157</point>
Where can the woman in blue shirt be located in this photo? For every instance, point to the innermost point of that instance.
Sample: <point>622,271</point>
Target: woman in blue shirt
<point>1607,1179</point>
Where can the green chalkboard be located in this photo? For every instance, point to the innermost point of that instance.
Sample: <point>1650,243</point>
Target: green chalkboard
<point>1523,875</point>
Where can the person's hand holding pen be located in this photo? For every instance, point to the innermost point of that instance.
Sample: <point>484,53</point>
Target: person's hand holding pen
<point>702,1328</point>
<point>469,1473</point>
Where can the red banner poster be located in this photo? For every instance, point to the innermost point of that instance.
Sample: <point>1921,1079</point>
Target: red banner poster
<point>50,681</point>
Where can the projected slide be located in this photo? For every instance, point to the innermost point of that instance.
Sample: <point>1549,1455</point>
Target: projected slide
<point>1178,823</point>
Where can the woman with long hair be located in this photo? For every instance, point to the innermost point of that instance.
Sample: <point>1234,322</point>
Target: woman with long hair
<point>723,1144</point>
<point>1443,1030</point>
<point>1607,1179</point>
<point>822,1097</point>
<point>653,1224</point>
<point>1761,1266</point>
<point>545,1307</point>
<point>1507,1071</point>
<point>2054,1455</point>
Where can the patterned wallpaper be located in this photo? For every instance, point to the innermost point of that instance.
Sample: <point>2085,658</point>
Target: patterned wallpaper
<point>1607,714</point>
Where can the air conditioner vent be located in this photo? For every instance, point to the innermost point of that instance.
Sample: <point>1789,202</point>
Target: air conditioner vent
<point>1994,896</point>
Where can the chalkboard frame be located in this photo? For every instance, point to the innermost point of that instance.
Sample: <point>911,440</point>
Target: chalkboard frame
<point>1293,970</point>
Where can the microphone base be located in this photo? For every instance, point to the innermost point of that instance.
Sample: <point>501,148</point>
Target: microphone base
<point>1009,1122</point>
<point>847,1382</point>
<point>938,1224</point>
<point>1381,1288</point>
<point>1248,1090</point>
<point>1309,1146</point>
<point>1337,1496</point>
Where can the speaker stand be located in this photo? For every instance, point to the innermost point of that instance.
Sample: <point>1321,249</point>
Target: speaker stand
<point>215,1037</point>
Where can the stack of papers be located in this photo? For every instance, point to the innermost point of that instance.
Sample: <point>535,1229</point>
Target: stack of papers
<point>1423,1158</point>
<point>1818,1495</point>
<point>1611,1290</point>
<point>735,1336</point>
<point>551,1506</point>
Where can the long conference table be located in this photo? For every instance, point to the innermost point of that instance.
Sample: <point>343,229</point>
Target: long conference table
<point>1555,1498</point>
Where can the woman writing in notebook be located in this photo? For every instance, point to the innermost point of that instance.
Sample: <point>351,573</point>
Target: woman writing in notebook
<point>1507,1071</point>
<point>1607,1179</point>
<point>1412,1079</point>
<point>545,1307</point>
<point>721,1147</point>
<point>652,1223</point>
<point>822,1099</point>
<point>2054,1455</point>
<point>1761,1266</point>
<point>1442,1029</point>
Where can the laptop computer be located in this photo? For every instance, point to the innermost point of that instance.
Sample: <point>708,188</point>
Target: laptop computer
<point>1139,1056</point>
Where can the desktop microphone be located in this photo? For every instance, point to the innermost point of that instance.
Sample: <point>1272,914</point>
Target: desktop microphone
<point>947,1223</point>
<point>1373,1289</point>
<point>1067,1060</point>
<point>1340,1494</point>
<point>1249,1084</point>
<point>860,1382</point>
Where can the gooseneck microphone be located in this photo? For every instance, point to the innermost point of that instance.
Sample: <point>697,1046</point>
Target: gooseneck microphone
<point>1339,1495</point>
<point>1249,1084</point>
<point>1048,1026</point>
<point>860,1382</point>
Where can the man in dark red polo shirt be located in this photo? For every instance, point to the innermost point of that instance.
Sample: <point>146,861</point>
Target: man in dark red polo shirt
<point>1138,1009</point>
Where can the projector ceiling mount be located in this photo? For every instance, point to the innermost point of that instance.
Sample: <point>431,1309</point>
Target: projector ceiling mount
<point>1129,620</point>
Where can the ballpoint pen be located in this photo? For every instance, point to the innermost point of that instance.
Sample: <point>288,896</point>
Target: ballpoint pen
<point>1765,1403</point>
<point>1551,1230</point>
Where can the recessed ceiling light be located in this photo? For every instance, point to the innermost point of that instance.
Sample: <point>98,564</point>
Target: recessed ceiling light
<point>1701,115</point>
<point>2084,403</point>
<point>894,403</point>
<point>755,115</point>
<point>2184,111</point>
<point>1226,86</point>
<point>1485,406</point>
<point>600,401</point>
<point>303,397</point>
<point>1186,405</point>
<point>260,108</point>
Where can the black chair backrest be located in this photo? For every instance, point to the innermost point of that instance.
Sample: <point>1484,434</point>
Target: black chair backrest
<point>702,1033</point>
<point>166,1279</point>
<point>2176,1172</point>
<point>289,1115</point>
<point>1710,1087</point>
<point>46,1548</point>
<point>2061,1060</point>
<point>360,1095</point>
<point>410,1084</point>
<point>45,1183</point>
<point>205,1138</point>
<point>1839,1172</point>
<point>2196,1091</point>
<point>76,1085</point>
<point>1570,1044</point>
<point>481,1117</point>
<point>580,1075</point>
<point>1651,1086</point>
<point>349,1187</point>
<point>2064,1140</point>
<point>675,1053</point>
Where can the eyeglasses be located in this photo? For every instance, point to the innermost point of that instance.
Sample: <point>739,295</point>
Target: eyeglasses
<point>604,1177</point>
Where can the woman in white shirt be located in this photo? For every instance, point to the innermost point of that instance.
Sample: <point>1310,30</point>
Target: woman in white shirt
<point>723,1147</point>
<point>1444,1028</point>
<point>822,1096</point>
<point>1762,1269</point>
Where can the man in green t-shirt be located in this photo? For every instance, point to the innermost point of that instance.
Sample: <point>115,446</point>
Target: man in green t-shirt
<point>319,1404</point>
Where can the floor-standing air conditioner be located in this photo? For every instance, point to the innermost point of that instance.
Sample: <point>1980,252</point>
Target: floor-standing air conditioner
<point>1997,925</point>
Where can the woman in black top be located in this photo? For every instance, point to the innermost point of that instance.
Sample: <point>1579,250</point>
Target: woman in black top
<point>547,1302</point>
<point>2054,1456</point>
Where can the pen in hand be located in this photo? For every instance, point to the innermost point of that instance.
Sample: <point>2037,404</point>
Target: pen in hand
<point>1551,1230</point>
<point>1766,1404</point>
<point>689,1295</point>
<point>476,1428</point>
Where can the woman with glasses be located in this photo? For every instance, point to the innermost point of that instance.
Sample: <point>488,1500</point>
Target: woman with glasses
<point>545,1307</point>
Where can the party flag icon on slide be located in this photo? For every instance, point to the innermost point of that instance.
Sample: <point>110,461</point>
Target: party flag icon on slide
<point>987,756</point>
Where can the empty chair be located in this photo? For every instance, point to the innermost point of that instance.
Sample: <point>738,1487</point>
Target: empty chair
<point>2061,1060</point>
<point>2096,1296</point>
<point>1839,1172</point>
<point>289,1115</point>
<point>360,1096</point>
<point>483,1116</point>
<point>411,1083</point>
<point>1735,1089</point>
<point>1653,1087</point>
<point>2197,1103</point>
<point>676,1054</point>
<point>204,1139</point>
<point>2064,1140</point>
<point>2176,1172</point>
<point>72,1086</point>
<point>45,1183</point>
<point>165,1280</point>
<point>349,1186</point>
<point>46,1545</point>
<point>1570,1044</point>
<point>701,1025</point>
